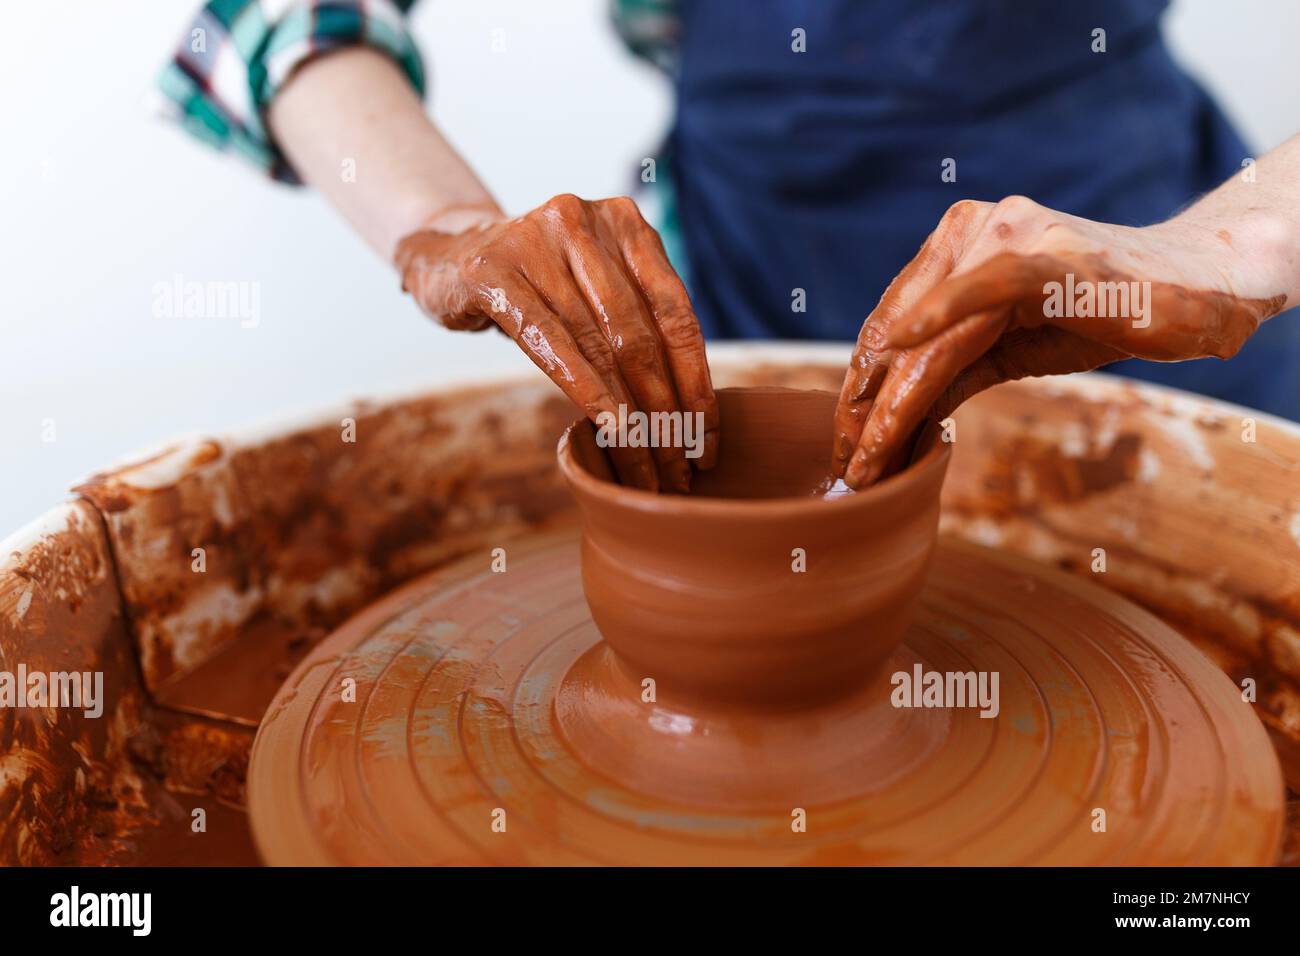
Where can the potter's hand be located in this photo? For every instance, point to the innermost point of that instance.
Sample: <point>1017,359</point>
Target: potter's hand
<point>585,289</point>
<point>1009,290</point>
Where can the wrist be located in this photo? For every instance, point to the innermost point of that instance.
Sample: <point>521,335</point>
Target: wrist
<point>445,219</point>
<point>1257,254</point>
<point>1270,249</point>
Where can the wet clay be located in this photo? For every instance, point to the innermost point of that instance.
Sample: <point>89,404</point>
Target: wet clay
<point>930,345</point>
<point>774,445</point>
<point>492,725</point>
<point>586,291</point>
<point>117,788</point>
<point>740,707</point>
<point>788,599</point>
<point>451,474</point>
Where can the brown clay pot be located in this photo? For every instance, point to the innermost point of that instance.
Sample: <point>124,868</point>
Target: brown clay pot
<point>704,593</point>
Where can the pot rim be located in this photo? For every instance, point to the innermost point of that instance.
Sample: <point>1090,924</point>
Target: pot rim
<point>933,459</point>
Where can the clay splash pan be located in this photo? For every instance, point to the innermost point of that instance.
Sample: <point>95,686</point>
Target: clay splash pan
<point>757,675</point>
<point>490,721</point>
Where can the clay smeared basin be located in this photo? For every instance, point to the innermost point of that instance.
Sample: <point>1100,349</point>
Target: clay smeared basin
<point>756,588</point>
<point>1194,503</point>
<point>737,695</point>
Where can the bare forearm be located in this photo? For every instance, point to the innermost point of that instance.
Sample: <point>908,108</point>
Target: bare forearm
<point>353,129</point>
<point>1256,216</point>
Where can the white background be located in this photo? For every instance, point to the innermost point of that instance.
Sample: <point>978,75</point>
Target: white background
<point>99,201</point>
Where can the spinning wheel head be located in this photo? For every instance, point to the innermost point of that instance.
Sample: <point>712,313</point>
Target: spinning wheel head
<point>489,724</point>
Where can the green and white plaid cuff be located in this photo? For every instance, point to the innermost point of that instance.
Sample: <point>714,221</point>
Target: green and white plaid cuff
<point>238,53</point>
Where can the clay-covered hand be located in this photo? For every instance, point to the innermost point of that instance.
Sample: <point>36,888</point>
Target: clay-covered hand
<point>586,290</point>
<point>1013,289</point>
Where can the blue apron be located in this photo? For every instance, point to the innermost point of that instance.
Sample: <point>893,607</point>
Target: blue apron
<point>821,170</point>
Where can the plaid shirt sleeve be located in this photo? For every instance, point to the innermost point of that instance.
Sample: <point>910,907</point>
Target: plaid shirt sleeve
<point>651,29</point>
<point>237,54</point>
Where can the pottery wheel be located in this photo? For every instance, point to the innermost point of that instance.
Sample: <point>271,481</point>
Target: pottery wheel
<point>475,717</point>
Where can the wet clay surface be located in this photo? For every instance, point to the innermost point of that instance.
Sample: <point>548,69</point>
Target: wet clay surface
<point>490,725</point>
<point>302,530</point>
<point>772,446</point>
<point>747,596</point>
<point>119,788</point>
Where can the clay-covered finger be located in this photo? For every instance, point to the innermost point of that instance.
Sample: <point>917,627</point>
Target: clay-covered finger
<point>915,381</point>
<point>862,380</point>
<point>1023,353</point>
<point>873,351</point>
<point>643,362</point>
<point>565,353</point>
<point>639,353</point>
<point>670,307</point>
<point>1004,281</point>
<point>548,279</point>
<point>645,370</point>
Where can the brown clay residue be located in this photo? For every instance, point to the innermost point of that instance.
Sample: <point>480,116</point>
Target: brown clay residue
<point>307,527</point>
<point>194,756</point>
<point>1027,473</point>
<point>102,790</point>
<point>238,681</point>
<point>1227,584</point>
<point>1291,845</point>
<point>60,613</point>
